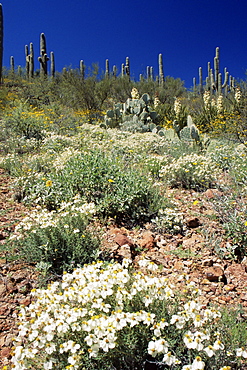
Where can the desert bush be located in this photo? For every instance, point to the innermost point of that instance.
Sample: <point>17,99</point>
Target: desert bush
<point>191,171</point>
<point>107,316</point>
<point>25,121</point>
<point>231,211</point>
<point>59,239</point>
<point>117,191</point>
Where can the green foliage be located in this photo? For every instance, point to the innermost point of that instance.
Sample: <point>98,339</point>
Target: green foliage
<point>191,172</point>
<point>106,316</point>
<point>59,239</point>
<point>232,213</point>
<point>119,192</point>
<point>25,121</point>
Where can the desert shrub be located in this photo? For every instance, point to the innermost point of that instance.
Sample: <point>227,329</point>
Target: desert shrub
<point>106,316</point>
<point>117,191</point>
<point>59,239</point>
<point>231,211</point>
<point>25,121</point>
<point>191,171</point>
<point>170,220</point>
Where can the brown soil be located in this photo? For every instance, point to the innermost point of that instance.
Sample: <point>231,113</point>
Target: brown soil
<point>222,282</point>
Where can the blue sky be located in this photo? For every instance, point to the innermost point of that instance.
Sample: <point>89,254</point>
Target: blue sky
<point>186,32</point>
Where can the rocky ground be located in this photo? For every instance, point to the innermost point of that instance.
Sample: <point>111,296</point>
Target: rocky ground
<point>222,281</point>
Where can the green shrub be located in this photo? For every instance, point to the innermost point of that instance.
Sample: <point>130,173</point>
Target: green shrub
<point>59,239</point>
<point>191,171</point>
<point>106,317</point>
<point>232,213</point>
<point>25,121</point>
<point>118,192</point>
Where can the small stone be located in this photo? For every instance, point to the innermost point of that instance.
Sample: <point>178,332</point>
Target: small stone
<point>178,265</point>
<point>5,352</point>
<point>207,262</point>
<point>26,301</point>
<point>229,287</point>
<point>243,296</point>
<point>125,251</point>
<point>205,282</point>
<point>193,223</point>
<point>147,240</point>
<point>214,273</point>
<point>212,193</point>
<point>121,240</point>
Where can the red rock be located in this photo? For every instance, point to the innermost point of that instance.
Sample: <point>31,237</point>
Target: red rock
<point>214,273</point>
<point>121,240</point>
<point>236,274</point>
<point>125,252</point>
<point>5,352</point>
<point>26,301</point>
<point>212,193</point>
<point>147,240</point>
<point>192,223</point>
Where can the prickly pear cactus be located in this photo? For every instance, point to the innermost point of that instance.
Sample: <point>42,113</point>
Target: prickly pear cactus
<point>134,115</point>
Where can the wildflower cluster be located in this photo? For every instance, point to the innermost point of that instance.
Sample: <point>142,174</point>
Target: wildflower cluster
<point>207,100</point>
<point>219,105</point>
<point>170,219</point>
<point>190,171</point>
<point>238,95</point>
<point>58,238</point>
<point>177,107</point>
<point>135,93</point>
<point>42,218</point>
<point>156,102</point>
<point>100,311</point>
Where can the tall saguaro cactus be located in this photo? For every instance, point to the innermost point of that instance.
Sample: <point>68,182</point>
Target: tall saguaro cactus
<point>29,61</point>
<point>52,64</point>
<point>12,65</point>
<point>82,69</point>
<point>161,71</point>
<point>107,72</point>
<point>43,58</point>
<point>214,79</point>
<point>127,67</point>
<point>1,43</point>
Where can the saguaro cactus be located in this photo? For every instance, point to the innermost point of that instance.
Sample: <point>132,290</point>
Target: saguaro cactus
<point>52,64</point>
<point>214,78</point>
<point>122,69</point>
<point>127,67</point>
<point>161,71</point>
<point>12,64</point>
<point>82,69</point>
<point>43,58</point>
<point>114,71</point>
<point>1,44</point>
<point>107,72</point>
<point>29,61</point>
<point>148,72</point>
